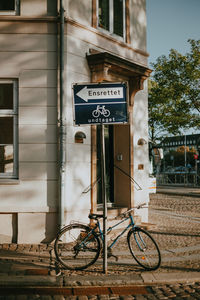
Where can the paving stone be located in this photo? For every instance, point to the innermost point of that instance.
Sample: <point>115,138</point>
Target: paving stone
<point>5,246</point>
<point>20,247</point>
<point>103,297</point>
<point>189,289</point>
<point>151,297</point>
<point>82,297</point>
<point>126,297</point>
<point>12,247</point>
<point>177,231</point>
<point>140,297</point>
<point>92,297</point>
<point>58,297</point>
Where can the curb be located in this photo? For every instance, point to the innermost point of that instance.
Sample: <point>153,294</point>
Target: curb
<point>134,279</point>
<point>169,278</point>
<point>103,280</point>
<point>146,279</point>
<point>30,280</point>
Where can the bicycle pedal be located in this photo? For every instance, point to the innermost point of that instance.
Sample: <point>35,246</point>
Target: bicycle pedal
<point>57,269</point>
<point>110,254</point>
<point>116,257</point>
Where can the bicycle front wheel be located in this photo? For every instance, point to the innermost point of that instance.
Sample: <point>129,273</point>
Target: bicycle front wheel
<point>77,247</point>
<point>144,249</point>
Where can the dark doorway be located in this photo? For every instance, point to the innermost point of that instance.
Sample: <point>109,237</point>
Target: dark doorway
<point>109,161</point>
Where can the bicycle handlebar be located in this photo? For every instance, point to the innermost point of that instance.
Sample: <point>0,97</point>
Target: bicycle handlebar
<point>98,216</point>
<point>131,209</point>
<point>141,205</point>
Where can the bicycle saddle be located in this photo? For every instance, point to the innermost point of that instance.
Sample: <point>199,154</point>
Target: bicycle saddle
<point>95,216</point>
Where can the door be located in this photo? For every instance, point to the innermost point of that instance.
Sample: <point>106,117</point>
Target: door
<point>109,162</point>
<point>119,189</point>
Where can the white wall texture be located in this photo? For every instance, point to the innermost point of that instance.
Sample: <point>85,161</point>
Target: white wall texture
<point>32,59</point>
<point>28,52</point>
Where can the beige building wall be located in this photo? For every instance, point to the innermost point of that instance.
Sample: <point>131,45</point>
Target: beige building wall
<point>138,24</point>
<point>141,156</point>
<point>81,39</point>
<point>38,8</point>
<point>28,53</point>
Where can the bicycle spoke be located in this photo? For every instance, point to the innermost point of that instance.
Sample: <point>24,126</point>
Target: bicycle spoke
<point>144,249</point>
<point>76,247</point>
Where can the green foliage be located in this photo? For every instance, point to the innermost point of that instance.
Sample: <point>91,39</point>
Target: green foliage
<point>174,92</point>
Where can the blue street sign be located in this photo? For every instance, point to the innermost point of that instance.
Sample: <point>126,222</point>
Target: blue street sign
<point>100,103</point>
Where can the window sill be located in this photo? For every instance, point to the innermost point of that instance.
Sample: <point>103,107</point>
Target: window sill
<point>112,34</point>
<point>19,18</point>
<point>8,13</point>
<point>9,181</point>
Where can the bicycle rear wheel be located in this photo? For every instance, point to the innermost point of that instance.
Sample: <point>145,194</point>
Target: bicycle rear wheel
<point>144,249</point>
<point>77,247</point>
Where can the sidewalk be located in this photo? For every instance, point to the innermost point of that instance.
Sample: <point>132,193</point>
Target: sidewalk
<point>178,238</point>
<point>179,190</point>
<point>25,269</point>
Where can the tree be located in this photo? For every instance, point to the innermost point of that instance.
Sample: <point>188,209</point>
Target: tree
<point>174,92</point>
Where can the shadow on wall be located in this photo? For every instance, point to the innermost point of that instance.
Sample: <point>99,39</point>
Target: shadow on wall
<point>141,139</point>
<point>34,60</point>
<point>51,227</point>
<point>138,29</point>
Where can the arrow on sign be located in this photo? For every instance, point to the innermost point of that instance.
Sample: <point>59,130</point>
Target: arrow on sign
<point>87,94</point>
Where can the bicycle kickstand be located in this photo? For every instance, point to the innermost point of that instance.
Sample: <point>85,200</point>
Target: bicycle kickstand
<point>110,254</point>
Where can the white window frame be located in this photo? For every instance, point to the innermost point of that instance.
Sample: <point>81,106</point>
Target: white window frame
<point>111,20</point>
<point>12,113</point>
<point>13,12</point>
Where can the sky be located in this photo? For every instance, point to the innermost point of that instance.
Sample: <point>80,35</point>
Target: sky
<point>170,23</point>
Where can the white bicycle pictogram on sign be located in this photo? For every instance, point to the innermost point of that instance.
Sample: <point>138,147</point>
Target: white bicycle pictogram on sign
<point>100,110</point>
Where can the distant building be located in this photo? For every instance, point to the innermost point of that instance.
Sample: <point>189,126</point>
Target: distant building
<point>191,140</point>
<point>104,41</point>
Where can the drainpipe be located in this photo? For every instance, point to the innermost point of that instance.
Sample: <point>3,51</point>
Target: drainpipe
<point>62,133</point>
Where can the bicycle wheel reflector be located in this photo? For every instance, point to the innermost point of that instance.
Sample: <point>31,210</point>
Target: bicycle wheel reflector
<point>144,249</point>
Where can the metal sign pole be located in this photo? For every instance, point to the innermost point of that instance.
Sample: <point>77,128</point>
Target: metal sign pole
<point>101,103</point>
<point>103,194</point>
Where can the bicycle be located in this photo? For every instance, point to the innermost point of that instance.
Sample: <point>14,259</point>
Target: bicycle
<point>101,110</point>
<point>78,246</point>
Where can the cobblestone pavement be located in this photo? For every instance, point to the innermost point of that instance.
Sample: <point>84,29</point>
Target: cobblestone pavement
<point>175,291</point>
<point>178,230</point>
<point>177,233</point>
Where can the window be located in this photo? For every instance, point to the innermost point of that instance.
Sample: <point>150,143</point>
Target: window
<point>9,7</point>
<point>8,129</point>
<point>111,16</point>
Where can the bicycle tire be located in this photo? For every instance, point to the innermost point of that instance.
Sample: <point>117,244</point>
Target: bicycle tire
<point>144,249</point>
<point>106,113</point>
<point>95,113</point>
<point>76,247</point>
